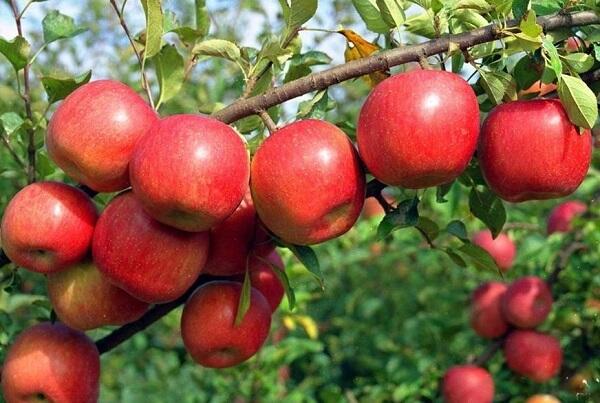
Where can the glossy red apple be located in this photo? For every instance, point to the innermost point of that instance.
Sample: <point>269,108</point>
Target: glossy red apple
<point>486,310</point>
<point>529,150</point>
<point>151,261</point>
<point>561,216</point>
<point>307,182</point>
<point>48,226</point>
<point>83,299</point>
<point>264,279</point>
<point>232,241</point>
<point>50,362</point>
<point>527,302</point>
<point>534,355</point>
<point>419,129</point>
<point>190,172</point>
<point>208,325</point>
<point>468,384</point>
<point>502,249</point>
<point>92,134</point>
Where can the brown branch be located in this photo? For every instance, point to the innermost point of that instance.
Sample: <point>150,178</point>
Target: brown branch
<point>384,60</point>
<point>26,95</point>
<point>138,55</point>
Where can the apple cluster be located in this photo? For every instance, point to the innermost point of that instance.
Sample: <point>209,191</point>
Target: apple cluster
<point>191,201</point>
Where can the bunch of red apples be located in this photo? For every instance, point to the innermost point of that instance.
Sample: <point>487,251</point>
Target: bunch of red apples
<point>191,201</point>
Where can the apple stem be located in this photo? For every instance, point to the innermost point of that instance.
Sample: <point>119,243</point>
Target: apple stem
<point>267,120</point>
<point>423,62</point>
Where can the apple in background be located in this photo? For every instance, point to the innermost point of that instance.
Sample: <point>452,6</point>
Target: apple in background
<point>372,208</point>
<point>574,44</point>
<point>542,399</point>
<point>529,150</point>
<point>534,355</point>
<point>92,134</point>
<point>234,239</point>
<point>307,182</point>
<point>486,310</point>
<point>190,172</point>
<point>538,88</point>
<point>502,249</point>
<point>527,302</point>
<point>151,261</point>
<point>468,384</point>
<point>264,279</point>
<point>50,362</point>
<point>208,325</point>
<point>419,129</point>
<point>71,292</point>
<point>48,226</point>
<point>561,216</point>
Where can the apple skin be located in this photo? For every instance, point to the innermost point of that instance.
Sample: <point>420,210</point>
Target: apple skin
<point>542,399</point>
<point>486,310</point>
<point>467,384</point>
<point>529,150</point>
<point>527,302</point>
<point>419,129</point>
<point>208,325</point>
<point>561,216</point>
<point>48,226</point>
<point>264,279</point>
<point>52,360</point>
<point>502,249</point>
<point>307,182</point>
<point>573,44</point>
<point>70,292</point>
<point>190,172</point>
<point>92,134</point>
<point>151,261</point>
<point>235,238</point>
<point>534,355</point>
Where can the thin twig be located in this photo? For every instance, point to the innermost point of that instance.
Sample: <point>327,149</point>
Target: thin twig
<point>145,84</point>
<point>266,118</point>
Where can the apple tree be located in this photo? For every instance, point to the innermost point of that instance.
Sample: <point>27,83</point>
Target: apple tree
<point>311,201</point>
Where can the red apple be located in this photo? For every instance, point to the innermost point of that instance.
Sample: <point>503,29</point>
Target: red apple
<point>468,384</point>
<point>307,182</point>
<point>529,150</point>
<point>264,279</point>
<point>208,325</point>
<point>92,134</point>
<point>542,399</point>
<point>486,310</point>
<point>83,299</point>
<point>502,249</point>
<point>50,362</point>
<point>561,216</point>
<point>527,302</point>
<point>190,172</point>
<point>419,129</point>
<point>48,226</point>
<point>234,239</point>
<point>149,260</point>
<point>574,44</point>
<point>534,355</point>
<point>372,208</point>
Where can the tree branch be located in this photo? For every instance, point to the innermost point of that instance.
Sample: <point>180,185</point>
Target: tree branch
<point>384,60</point>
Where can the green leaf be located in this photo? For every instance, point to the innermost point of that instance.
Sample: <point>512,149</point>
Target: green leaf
<point>519,8</point>
<point>579,62</point>
<point>545,7</point>
<point>368,11</point>
<point>59,88</point>
<point>527,72</point>
<point>59,26</point>
<point>528,43</point>
<point>552,53</point>
<point>299,12</point>
<point>284,279</point>
<point>154,27</point>
<point>406,214</point>
<point>202,18</point>
<point>309,259</point>
<point>429,227</point>
<point>479,5</point>
<point>597,52</point>
<point>245,299</point>
<point>442,191</point>
<point>472,175</point>
<point>218,48</point>
<point>16,51</point>
<point>466,20</point>
<point>497,85</point>
<point>422,25</point>
<point>455,257</point>
<point>486,206</point>
<point>579,101</point>
<point>169,73</point>
<point>478,257</point>
<point>529,25</point>
<point>458,229</point>
<point>11,122</point>
<point>392,12</point>
<point>314,108</point>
